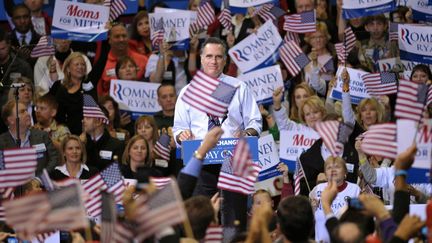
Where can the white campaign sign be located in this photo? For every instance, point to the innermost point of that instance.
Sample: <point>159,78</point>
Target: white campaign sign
<point>175,22</point>
<point>247,3</point>
<point>357,89</point>
<point>136,97</point>
<point>257,48</point>
<point>294,143</point>
<point>415,43</point>
<point>263,82</point>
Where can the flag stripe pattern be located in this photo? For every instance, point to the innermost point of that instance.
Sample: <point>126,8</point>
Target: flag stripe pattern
<point>111,180</point>
<point>225,18</point>
<point>301,23</point>
<point>293,57</point>
<point>117,8</point>
<point>157,35</point>
<point>328,131</point>
<point>298,175</point>
<point>291,36</point>
<point>393,31</point>
<point>411,100</point>
<point>92,109</point>
<point>214,234</point>
<point>241,159</point>
<point>17,166</point>
<point>162,147</point>
<point>205,15</point>
<point>380,140</point>
<point>245,182</point>
<point>383,83</point>
<point>350,39</point>
<point>5,194</point>
<point>164,208</point>
<point>209,95</point>
<point>109,218</point>
<point>341,52</point>
<point>44,47</point>
<point>160,182</point>
<point>328,66</point>
<point>42,212</point>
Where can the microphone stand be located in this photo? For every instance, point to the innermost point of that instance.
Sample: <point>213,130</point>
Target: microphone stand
<point>16,91</point>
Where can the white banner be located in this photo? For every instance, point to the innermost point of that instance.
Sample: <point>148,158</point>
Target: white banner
<point>175,22</point>
<point>79,21</point>
<point>258,49</point>
<point>389,64</point>
<point>421,9</point>
<point>406,133</point>
<point>294,143</point>
<point>357,89</point>
<point>355,9</point>
<point>263,82</point>
<point>135,97</point>
<point>247,3</point>
<point>415,43</point>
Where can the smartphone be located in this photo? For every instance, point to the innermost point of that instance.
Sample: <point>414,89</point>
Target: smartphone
<point>355,203</point>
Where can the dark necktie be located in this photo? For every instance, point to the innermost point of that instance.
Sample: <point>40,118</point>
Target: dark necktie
<point>23,40</point>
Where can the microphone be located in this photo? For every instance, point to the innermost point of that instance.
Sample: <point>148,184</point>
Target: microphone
<point>6,73</point>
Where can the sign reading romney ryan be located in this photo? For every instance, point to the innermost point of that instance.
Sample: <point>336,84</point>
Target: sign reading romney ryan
<point>361,8</point>
<point>79,21</point>
<point>136,98</point>
<point>415,43</point>
<point>258,49</point>
<point>263,82</point>
<point>175,24</point>
<point>421,9</point>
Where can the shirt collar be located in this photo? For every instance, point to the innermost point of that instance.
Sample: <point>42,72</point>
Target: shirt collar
<point>63,169</point>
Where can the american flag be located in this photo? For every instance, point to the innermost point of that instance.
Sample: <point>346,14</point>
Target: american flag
<point>239,184</point>
<point>291,36</point>
<point>393,31</point>
<point>5,194</point>
<point>214,234</point>
<point>328,66</point>
<point>301,23</point>
<point>162,147</point>
<point>209,95</point>
<point>158,34</point>
<point>17,166</point>
<point>380,140</point>
<point>383,83</point>
<point>334,134</point>
<point>45,47</point>
<point>225,17</point>
<point>341,52</point>
<point>162,209</point>
<point>269,12</point>
<point>205,16</point>
<point>60,209</point>
<point>123,232</point>
<point>160,182</point>
<point>46,181</point>
<point>92,109</point>
<point>241,159</point>
<point>349,39</point>
<point>293,57</point>
<point>117,8</point>
<point>411,100</point>
<point>110,180</point>
<point>298,175</point>
<point>109,218</point>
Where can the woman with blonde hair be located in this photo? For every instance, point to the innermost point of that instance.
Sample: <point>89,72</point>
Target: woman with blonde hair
<point>321,54</point>
<point>73,161</point>
<point>69,92</point>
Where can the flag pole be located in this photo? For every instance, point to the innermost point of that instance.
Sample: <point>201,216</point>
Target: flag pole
<point>345,51</point>
<point>304,174</point>
<point>88,234</point>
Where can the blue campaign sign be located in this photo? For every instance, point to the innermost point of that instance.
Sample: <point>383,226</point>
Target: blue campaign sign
<point>131,6</point>
<point>355,9</point>
<point>218,154</point>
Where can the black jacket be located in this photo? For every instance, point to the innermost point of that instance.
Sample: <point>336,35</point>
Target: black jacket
<point>101,153</point>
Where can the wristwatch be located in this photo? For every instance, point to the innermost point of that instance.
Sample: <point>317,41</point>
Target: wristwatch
<point>198,155</point>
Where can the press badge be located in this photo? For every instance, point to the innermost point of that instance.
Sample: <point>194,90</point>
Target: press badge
<point>350,167</point>
<point>110,72</point>
<point>104,154</point>
<point>161,163</point>
<point>40,148</point>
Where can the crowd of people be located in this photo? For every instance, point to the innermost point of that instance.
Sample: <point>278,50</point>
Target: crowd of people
<point>340,199</point>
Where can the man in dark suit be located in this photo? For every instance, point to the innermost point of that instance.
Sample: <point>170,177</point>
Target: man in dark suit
<point>23,37</point>
<point>47,156</point>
